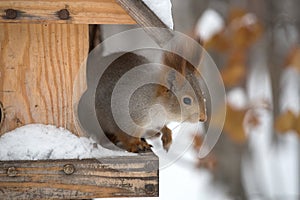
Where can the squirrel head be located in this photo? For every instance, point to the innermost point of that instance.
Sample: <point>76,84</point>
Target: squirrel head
<point>183,97</point>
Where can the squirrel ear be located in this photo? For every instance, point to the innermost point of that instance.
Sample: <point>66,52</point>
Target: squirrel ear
<point>180,64</point>
<point>190,49</point>
<point>162,91</point>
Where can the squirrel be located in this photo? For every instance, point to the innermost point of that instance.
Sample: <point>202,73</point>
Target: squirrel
<point>180,96</point>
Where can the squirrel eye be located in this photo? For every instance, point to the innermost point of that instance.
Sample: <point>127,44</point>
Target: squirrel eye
<point>187,100</point>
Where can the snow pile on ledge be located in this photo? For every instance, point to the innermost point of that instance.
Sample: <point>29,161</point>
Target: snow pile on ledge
<point>209,24</point>
<point>40,142</point>
<point>163,9</point>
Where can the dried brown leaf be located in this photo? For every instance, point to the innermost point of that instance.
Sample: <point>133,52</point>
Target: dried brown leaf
<point>246,35</point>
<point>233,125</point>
<point>297,126</point>
<point>218,42</point>
<point>209,162</point>
<point>288,121</point>
<point>233,75</point>
<point>235,121</point>
<point>293,58</point>
<point>242,30</point>
<point>198,140</point>
<point>235,70</point>
<point>235,13</point>
<point>253,120</point>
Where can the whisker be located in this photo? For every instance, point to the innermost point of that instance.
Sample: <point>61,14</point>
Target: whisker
<point>179,124</point>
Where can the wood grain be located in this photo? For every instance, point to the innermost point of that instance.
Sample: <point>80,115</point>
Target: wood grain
<point>81,11</point>
<point>38,66</point>
<point>131,176</point>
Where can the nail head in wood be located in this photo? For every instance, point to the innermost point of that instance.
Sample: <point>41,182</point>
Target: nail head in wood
<point>150,189</point>
<point>69,169</point>
<point>150,166</point>
<point>11,14</point>
<point>12,172</point>
<point>63,14</point>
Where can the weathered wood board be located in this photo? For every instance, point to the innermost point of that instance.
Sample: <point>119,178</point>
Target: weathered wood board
<point>130,176</point>
<point>80,12</point>
<point>38,66</point>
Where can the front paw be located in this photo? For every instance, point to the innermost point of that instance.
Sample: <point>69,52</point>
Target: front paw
<point>166,138</point>
<point>138,145</point>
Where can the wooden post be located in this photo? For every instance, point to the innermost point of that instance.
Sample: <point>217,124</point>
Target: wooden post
<point>38,66</point>
<point>39,62</point>
<point>43,46</point>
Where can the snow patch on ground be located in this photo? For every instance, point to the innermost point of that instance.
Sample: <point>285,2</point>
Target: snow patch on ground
<point>40,142</point>
<point>163,9</point>
<point>209,24</point>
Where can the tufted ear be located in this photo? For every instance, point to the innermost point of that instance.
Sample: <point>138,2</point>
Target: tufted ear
<point>182,66</point>
<point>186,48</point>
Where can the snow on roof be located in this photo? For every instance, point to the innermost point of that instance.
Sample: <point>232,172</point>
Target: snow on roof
<point>40,142</point>
<point>163,9</point>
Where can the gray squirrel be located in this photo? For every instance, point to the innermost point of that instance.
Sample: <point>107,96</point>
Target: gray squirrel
<point>179,95</point>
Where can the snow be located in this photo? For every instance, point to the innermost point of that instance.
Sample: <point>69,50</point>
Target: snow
<point>163,9</point>
<point>209,24</point>
<point>237,98</point>
<point>40,142</point>
<point>249,19</point>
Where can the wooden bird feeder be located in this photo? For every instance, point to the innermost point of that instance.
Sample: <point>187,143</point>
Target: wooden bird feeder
<point>43,44</point>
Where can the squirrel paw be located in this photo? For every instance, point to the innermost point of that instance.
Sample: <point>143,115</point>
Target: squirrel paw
<point>166,138</point>
<point>137,145</point>
<point>129,143</point>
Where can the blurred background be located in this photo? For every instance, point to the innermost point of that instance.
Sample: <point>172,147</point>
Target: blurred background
<point>256,46</point>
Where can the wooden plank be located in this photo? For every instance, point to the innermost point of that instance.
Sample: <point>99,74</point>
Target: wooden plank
<point>132,176</point>
<point>145,17</point>
<point>1,114</point>
<point>80,12</point>
<point>38,67</point>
